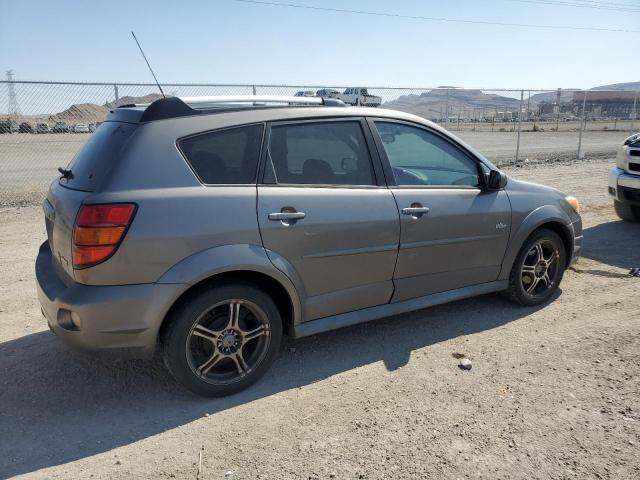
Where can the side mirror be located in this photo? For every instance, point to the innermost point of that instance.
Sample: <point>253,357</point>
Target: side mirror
<point>496,180</point>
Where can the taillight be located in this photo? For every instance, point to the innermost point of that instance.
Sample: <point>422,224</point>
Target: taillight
<point>98,232</point>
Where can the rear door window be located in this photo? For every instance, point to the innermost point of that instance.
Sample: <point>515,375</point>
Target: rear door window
<point>227,156</point>
<point>319,153</point>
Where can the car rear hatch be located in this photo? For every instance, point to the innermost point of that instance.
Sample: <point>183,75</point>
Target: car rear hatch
<point>82,177</point>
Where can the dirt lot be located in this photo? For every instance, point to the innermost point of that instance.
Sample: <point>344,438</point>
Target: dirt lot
<point>554,392</point>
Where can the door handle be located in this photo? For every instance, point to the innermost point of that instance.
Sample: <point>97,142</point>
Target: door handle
<point>280,216</point>
<point>415,211</point>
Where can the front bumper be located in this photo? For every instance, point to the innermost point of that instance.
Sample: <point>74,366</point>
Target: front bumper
<point>624,187</point>
<point>577,241</point>
<point>103,317</point>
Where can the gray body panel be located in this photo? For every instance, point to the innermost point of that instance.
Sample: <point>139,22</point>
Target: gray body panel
<point>115,317</point>
<point>354,257</point>
<point>533,205</point>
<point>344,250</point>
<point>172,224</point>
<point>460,242</point>
<point>65,203</point>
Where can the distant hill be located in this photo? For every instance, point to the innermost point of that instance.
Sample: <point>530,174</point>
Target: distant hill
<point>619,86</point>
<point>431,104</point>
<point>567,96</point>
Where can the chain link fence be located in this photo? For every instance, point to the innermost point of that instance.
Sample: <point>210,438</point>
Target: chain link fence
<point>43,124</point>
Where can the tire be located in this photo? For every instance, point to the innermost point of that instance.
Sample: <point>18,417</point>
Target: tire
<point>626,212</point>
<point>221,340</point>
<point>527,269</point>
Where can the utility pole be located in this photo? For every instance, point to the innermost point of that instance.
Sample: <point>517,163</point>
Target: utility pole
<point>583,125</point>
<point>446,118</point>
<point>633,113</point>
<point>13,109</point>
<point>495,114</point>
<point>519,124</point>
<point>558,107</point>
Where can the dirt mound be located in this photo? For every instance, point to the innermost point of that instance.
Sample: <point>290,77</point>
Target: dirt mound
<point>81,113</point>
<point>128,100</point>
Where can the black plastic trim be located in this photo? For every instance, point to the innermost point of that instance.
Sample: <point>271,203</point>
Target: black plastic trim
<point>163,108</point>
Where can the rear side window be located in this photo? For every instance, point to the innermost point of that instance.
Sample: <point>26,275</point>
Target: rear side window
<point>92,163</point>
<point>323,153</point>
<point>226,156</point>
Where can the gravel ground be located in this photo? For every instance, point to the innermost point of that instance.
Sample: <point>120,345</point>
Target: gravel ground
<point>553,391</point>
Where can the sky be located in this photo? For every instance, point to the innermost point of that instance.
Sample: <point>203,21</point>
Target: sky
<point>224,41</point>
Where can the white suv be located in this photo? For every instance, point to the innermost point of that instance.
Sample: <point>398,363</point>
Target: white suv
<point>624,180</point>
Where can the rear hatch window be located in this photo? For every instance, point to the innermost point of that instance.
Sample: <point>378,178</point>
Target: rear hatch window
<point>92,163</point>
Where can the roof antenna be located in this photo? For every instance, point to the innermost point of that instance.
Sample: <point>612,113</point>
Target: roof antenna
<point>150,69</point>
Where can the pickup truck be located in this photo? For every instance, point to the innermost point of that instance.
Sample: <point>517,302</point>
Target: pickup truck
<point>359,96</point>
<point>624,180</point>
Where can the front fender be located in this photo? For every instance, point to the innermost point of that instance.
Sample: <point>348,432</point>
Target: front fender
<point>538,217</point>
<point>231,258</point>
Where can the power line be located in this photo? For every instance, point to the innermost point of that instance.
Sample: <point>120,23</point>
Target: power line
<point>616,4</point>
<point>597,6</point>
<point>435,19</point>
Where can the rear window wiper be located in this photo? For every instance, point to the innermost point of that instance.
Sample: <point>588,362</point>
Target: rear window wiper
<point>65,173</point>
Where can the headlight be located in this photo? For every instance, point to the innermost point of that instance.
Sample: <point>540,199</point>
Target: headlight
<point>573,202</point>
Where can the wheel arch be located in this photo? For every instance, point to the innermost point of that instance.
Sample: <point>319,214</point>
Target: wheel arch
<point>233,263</point>
<point>270,285</point>
<point>549,217</point>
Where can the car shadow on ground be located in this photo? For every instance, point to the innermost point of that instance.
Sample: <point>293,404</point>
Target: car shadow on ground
<point>614,243</point>
<point>57,405</point>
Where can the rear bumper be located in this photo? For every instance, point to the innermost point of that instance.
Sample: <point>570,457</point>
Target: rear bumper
<point>103,317</point>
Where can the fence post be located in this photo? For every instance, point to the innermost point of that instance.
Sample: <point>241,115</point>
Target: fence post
<point>254,90</point>
<point>633,113</point>
<point>115,93</point>
<point>446,112</point>
<point>583,125</point>
<point>519,125</point>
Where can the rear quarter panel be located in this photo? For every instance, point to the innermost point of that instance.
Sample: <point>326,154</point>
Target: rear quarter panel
<point>174,223</point>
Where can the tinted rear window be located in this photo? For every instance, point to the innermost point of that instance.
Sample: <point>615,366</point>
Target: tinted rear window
<point>227,156</point>
<point>94,160</point>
